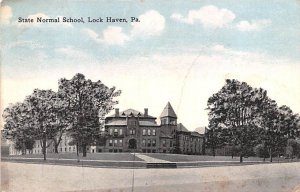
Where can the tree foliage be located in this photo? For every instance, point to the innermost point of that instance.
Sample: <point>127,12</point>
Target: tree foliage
<point>246,116</point>
<point>87,102</point>
<point>45,115</point>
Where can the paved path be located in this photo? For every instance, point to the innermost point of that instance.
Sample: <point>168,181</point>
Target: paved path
<point>150,159</point>
<point>47,178</point>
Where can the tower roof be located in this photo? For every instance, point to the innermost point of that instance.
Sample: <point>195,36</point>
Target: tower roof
<point>168,111</point>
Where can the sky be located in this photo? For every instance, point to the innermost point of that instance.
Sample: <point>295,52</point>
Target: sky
<point>179,51</point>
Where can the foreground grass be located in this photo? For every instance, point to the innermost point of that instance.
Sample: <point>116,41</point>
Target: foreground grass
<point>90,156</point>
<point>187,158</point>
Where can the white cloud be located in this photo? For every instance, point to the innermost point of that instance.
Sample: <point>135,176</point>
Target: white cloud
<point>254,25</point>
<point>112,35</point>
<point>208,16</point>
<point>151,23</point>
<point>5,14</point>
<point>46,24</point>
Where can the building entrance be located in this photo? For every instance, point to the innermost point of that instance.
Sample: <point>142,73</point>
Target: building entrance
<point>132,144</point>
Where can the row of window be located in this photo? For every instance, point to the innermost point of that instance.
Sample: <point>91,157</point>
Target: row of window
<point>148,132</point>
<point>186,138</point>
<point>149,143</point>
<point>117,131</point>
<point>115,142</point>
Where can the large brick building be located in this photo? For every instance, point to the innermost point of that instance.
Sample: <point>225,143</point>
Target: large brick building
<point>134,131</point>
<point>131,130</point>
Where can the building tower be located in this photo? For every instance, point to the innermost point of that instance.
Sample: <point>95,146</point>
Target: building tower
<point>168,120</point>
<point>168,116</point>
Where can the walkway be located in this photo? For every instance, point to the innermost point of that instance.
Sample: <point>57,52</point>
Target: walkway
<point>150,159</point>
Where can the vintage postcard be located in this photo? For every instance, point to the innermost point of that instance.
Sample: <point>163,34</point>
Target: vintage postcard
<point>150,95</point>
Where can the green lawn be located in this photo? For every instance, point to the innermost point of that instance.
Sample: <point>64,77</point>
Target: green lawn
<point>190,158</point>
<point>90,156</point>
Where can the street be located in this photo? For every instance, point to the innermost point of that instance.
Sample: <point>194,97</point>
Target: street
<point>38,177</point>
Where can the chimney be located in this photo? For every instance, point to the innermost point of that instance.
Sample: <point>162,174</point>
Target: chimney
<point>117,112</point>
<point>146,112</point>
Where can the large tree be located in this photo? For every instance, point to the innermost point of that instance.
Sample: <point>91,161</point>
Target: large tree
<point>42,117</point>
<point>16,127</point>
<point>273,135</point>
<point>87,102</point>
<point>236,108</point>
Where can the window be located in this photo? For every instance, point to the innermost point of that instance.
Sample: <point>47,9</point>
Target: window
<point>132,131</point>
<point>110,142</point>
<point>154,132</point>
<point>121,132</point>
<point>69,148</point>
<point>65,149</point>
<point>144,131</point>
<point>99,150</point>
<point>149,132</point>
<point>110,150</point>
<point>120,150</point>
<point>149,142</point>
<point>164,143</point>
<point>116,142</point>
<point>121,142</point>
<point>110,131</point>
<point>153,143</point>
<point>116,132</point>
<point>144,142</point>
<point>171,144</point>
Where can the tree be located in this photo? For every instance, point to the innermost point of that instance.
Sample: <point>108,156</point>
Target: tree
<point>87,102</point>
<point>16,127</point>
<point>214,136</point>
<point>42,116</point>
<point>236,108</point>
<point>273,136</point>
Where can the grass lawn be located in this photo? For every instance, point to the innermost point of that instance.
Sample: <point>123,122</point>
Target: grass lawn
<point>188,158</point>
<point>90,156</point>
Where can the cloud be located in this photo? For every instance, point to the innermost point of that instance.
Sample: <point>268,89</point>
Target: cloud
<point>5,15</point>
<point>151,23</point>
<point>254,25</point>
<point>35,22</point>
<point>112,35</point>
<point>209,16</point>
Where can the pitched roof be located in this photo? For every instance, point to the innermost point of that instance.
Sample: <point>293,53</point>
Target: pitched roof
<point>130,112</point>
<point>168,111</point>
<point>124,122</point>
<point>181,127</point>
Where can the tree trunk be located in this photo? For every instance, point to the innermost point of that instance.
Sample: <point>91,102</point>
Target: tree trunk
<point>23,149</point>
<point>77,151</point>
<point>241,158</point>
<point>271,155</point>
<point>214,151</point>
<point>44,148</point>
<point>55,146</point>
<point>83,150</point>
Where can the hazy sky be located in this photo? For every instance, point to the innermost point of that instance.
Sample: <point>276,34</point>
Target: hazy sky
<point>180,51</point>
